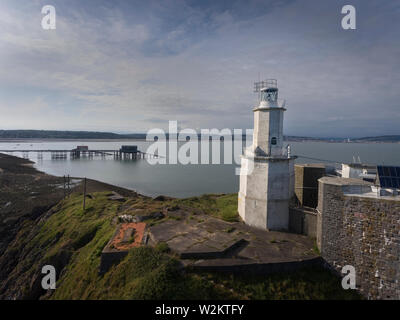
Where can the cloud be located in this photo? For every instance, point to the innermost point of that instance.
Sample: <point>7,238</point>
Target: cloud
<point>117,65</point>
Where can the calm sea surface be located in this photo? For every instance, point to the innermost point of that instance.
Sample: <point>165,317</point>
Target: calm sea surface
<point>179,180</point>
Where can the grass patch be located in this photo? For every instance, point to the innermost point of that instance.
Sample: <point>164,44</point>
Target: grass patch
<point>163,247</point>
<point>145,273</point>
<point>229,230</point>
<point>219,206</point>
<point>316,249</point>
<point>306,284</point>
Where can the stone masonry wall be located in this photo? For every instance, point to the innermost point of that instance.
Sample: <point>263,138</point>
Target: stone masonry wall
<point>362,232</point>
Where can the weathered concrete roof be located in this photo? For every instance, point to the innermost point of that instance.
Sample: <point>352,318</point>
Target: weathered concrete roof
<point>339,181</point>
<point>311,165</point>
<point>206,242</point>
<point>361,165</point>
<point>373,195</point>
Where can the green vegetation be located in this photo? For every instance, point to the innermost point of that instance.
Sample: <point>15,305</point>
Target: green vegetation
<point>306,284</point>
<point>146,273</point>
<point>219,206</point>
<point>315,248</point>
<point>72,240</point>
<point>163,247</point>
<point>229,230</point>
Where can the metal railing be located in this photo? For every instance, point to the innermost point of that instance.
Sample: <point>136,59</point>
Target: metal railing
<point>268,83</point>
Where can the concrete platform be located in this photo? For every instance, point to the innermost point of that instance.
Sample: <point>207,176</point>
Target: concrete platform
<point>207,243</point>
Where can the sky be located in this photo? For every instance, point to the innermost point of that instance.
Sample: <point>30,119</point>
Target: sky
<point>131,66</point>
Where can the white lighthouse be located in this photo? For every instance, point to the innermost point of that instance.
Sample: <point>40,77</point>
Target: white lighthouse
<point>267,169</point>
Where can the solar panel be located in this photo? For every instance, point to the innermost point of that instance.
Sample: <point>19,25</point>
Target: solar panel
<point>386,182</point>
<point>389,176</point>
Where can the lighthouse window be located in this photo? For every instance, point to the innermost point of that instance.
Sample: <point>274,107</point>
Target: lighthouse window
<point>264,96</point>
<point>271,96</point>
<point>273,141</point>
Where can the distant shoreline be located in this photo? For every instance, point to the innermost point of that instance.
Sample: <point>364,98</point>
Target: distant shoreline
<point>11,140</point>
<point>17,165</point>
<point>66,140</point>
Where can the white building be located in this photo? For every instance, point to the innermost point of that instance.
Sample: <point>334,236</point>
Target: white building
<point>267,169</point>
<point>359,171</point>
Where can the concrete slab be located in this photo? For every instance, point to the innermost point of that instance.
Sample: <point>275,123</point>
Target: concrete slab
<point>214,243</point>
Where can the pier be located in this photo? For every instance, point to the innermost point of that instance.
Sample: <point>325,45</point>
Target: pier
<point>125,152</point>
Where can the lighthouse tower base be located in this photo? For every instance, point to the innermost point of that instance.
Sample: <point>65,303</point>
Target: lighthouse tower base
<point>266,188</point>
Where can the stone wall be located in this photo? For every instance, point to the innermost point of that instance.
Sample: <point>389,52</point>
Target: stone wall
<point>362,231</point>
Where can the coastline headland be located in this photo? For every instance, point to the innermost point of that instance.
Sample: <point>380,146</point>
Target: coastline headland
<point>221,256</point>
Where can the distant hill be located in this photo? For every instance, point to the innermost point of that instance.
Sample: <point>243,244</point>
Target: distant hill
<point>54,134</point>
<point>394,138</point>
<point>299,138</point>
